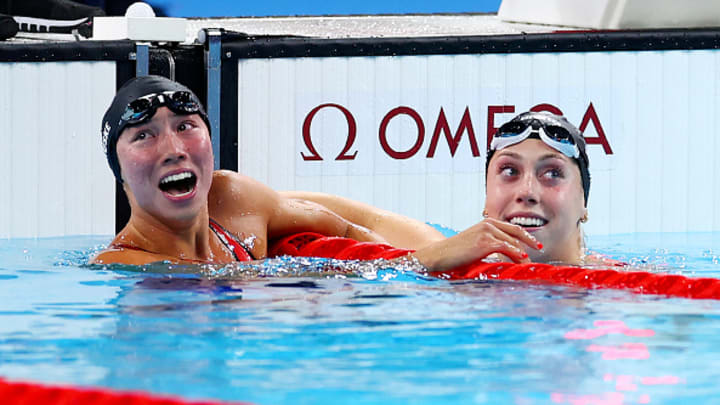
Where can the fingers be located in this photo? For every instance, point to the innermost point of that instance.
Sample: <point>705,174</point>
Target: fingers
<point>512,252</point>
<point>477,242</point>
<point>505,238</point>
<point>515,232</point>
<point>488,238</point>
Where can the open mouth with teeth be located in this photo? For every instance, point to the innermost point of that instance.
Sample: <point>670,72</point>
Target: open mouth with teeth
<point>528,222</point>
<point>179,184</point>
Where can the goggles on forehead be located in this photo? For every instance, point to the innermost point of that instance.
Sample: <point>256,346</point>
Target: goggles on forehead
<point>143,108</point>
<point>554,136</point>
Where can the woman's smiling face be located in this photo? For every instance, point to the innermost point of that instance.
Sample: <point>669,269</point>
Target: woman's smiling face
<point>533,185</point>
<point>167,164</point>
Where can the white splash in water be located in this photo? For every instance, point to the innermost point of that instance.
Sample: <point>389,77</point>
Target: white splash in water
<point>249,242</point>
<point>286,266</point>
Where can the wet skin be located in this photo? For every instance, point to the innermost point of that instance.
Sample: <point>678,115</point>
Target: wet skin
<point>167,145</point>
<point>167,168</point>
<point>533,185</point>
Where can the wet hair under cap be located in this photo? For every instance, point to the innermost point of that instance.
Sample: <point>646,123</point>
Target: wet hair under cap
<point>545,117</point>
<point>112,124</point>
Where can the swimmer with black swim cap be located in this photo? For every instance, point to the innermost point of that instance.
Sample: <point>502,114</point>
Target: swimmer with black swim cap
<point>136,103</point>
<point>157,142</point>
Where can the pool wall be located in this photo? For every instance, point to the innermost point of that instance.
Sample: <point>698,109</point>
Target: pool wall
<point>53,95</point>
<point>401,123</point>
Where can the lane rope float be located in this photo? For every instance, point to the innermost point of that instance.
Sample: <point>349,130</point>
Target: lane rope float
<point>674,285</point>
<point>21,393</point>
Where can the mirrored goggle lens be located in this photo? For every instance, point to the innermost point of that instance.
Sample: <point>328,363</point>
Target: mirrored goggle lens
<point>511,129</point>
<point>559,134</point>
<point>137,110</point>
<point>144,107</point>
<point>182,101</point>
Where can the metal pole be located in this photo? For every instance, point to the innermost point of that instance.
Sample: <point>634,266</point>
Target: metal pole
<point>213,67</point>
<point>142,59</point>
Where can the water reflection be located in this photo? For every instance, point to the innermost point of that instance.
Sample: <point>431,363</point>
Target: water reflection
<point>380,335</point>
<point>628,388</point>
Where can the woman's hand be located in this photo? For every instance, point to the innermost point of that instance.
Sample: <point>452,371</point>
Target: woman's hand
<point>478,242</point>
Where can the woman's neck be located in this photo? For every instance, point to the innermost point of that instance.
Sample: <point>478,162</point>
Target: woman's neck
<point>568,252</point>
<point>185,240</point>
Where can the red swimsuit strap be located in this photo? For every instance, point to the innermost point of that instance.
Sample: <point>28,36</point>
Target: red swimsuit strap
<point>231,242</point>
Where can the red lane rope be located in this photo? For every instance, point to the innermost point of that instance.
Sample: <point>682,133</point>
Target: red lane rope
<point>21,393</point>
<point>316,245</point>
<point>310,244</point>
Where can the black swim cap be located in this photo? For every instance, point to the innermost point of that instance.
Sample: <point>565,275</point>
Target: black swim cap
<point>543,119</point>
<point>113,124</point>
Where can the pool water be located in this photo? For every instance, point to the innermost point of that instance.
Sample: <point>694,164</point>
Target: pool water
<point>380,336</point>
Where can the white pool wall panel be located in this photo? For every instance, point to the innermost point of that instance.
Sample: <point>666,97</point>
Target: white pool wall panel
<point>58,182</point>
<point>657,110</point>
<point>613,14</point>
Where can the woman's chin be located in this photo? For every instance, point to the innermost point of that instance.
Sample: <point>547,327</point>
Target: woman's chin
<point>176,212</point>
<point>555,258</point>
<point>543,256</point>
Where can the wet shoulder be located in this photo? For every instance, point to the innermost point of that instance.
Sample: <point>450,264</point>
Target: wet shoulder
<point>124,255</point>
<point>229,182</point>
<point>232,189</point>
<point>242,206</point>
<point>597,260</point>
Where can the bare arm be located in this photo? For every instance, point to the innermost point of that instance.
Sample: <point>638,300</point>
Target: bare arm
<point>478,242</point>
<point>236,198</point>
<point>433,250</point>
<point>295,215</point>
<point>398,230</point>
<point>246,205</point>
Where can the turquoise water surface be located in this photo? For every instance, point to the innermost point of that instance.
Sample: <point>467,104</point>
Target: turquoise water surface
<point>301,332</point>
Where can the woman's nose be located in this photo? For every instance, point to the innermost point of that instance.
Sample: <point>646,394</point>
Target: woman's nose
<point>527,191</point>
<point>174,148</point>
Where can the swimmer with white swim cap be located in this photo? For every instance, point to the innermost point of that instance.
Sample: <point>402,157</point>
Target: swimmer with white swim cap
<point>537,177</point>
<point>157,142</point>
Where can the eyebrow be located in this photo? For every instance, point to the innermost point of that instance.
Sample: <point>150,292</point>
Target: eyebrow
<point>510,154</point>
<point>518,156</point>
<point>553,156</point>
